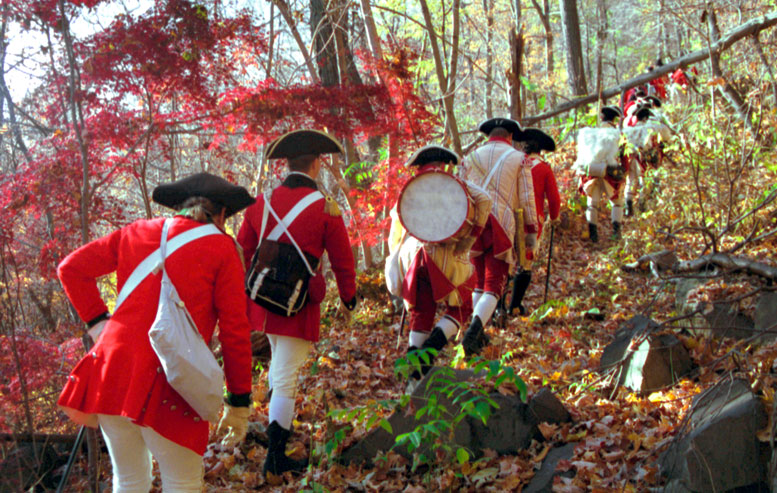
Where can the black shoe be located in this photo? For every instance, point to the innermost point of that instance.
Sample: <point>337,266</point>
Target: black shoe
<point>593,233</point>
<point>521,283</point>
<point>629,207</point>
<point>616,231</point>
<point>277,461</point>
<point>474,338</point>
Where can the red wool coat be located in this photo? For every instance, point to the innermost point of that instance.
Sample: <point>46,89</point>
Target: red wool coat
<point>315,230</point>
<point>121,375</point>
<point>545,188</point>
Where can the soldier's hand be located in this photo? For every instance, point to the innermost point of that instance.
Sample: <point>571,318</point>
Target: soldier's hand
<point>348,308</point>
<point>531,241</point>
<point>233,425</point>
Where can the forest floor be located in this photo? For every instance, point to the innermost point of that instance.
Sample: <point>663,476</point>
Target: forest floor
<point>618,434</point>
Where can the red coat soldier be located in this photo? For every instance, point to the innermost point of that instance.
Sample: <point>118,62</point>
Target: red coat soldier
<point>427,274</point>
<point>120,384</point>
<point>533,141</point>
<point>608,186</point>
<point>317,229</point>
<point>500,170</point>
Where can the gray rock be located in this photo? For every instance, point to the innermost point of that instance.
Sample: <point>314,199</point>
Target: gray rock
<point>510,428</point>
<point>726,321</point>
<point>645,362</point>
<point>718,449</point>
<point>542,482</point>
<point>547,408</point>
<point>766,315</point>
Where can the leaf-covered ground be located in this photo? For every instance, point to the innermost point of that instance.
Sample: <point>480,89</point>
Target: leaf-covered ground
<point>617,434</point>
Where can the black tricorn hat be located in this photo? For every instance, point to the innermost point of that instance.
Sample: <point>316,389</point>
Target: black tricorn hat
<point>543,140</point>
<point>511,126</point>
<point>654,101</point>
<point>432,153</point>
<point>643,113</point>
<point>301,142</point>
<point>214,188</point>
<point>611,112</point>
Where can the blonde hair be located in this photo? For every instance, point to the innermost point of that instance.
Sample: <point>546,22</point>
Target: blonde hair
<point>200,209</point>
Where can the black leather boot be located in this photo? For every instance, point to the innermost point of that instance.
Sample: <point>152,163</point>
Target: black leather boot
<point>629,207</point>
<point>616,231</point>
<point>474,338</point>
<point>521,283</point>
<point>277,461</point>
<point>593,233</point>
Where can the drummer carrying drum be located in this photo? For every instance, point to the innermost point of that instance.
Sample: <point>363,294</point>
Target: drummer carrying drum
<point>433,226</point>
<point>511,230</point>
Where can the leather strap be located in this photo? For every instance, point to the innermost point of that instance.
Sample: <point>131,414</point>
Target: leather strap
<point>153,262</point>
<point>293,215</point>
<point>498,165</point>
<point>290,216</point>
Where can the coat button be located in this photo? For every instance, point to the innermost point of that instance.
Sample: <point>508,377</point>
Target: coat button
<point>173,407</point>
<point>143,410</point>
<point>94,354</point>
<point>164,401</point>
<point>196,420</point>
<point>159,369</point>
<point>186,413</point>
<point>71,378</point>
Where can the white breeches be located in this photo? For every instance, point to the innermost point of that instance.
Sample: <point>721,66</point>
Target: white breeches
<point>288,356</point>
<point>634,180</point>
<point>595,193</point>
<point>131,447</point>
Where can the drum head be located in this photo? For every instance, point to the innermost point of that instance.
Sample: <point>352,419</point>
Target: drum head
<point>433,206</point>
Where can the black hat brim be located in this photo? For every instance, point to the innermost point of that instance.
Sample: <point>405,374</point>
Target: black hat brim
<point>654,101</point>
<point>301,142</point>
<point>511,126</point>
<point>543,140</point>
<point>432,154</point>
<point>643,113</point>
<point>214,188</point>
<point>611,112</point>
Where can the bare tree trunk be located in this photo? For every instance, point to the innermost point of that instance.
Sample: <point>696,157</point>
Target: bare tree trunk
<point>728,91</point>
<point>271,46</point>
<point>78,122</point>
<point>660,33</point>
<point>447,83</point>
<point>488,8</point>
<point>6,94</point>
<point>601,39</point>
<point>765,63</point>
<point>516,69</point>
<point>285,11</point>
<point>544,15</point>
<point>372,30</point>
<point>570,22</point>
<point>324,48</point>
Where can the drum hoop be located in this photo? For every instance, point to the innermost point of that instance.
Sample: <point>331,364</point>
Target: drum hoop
<point>457,180</point>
